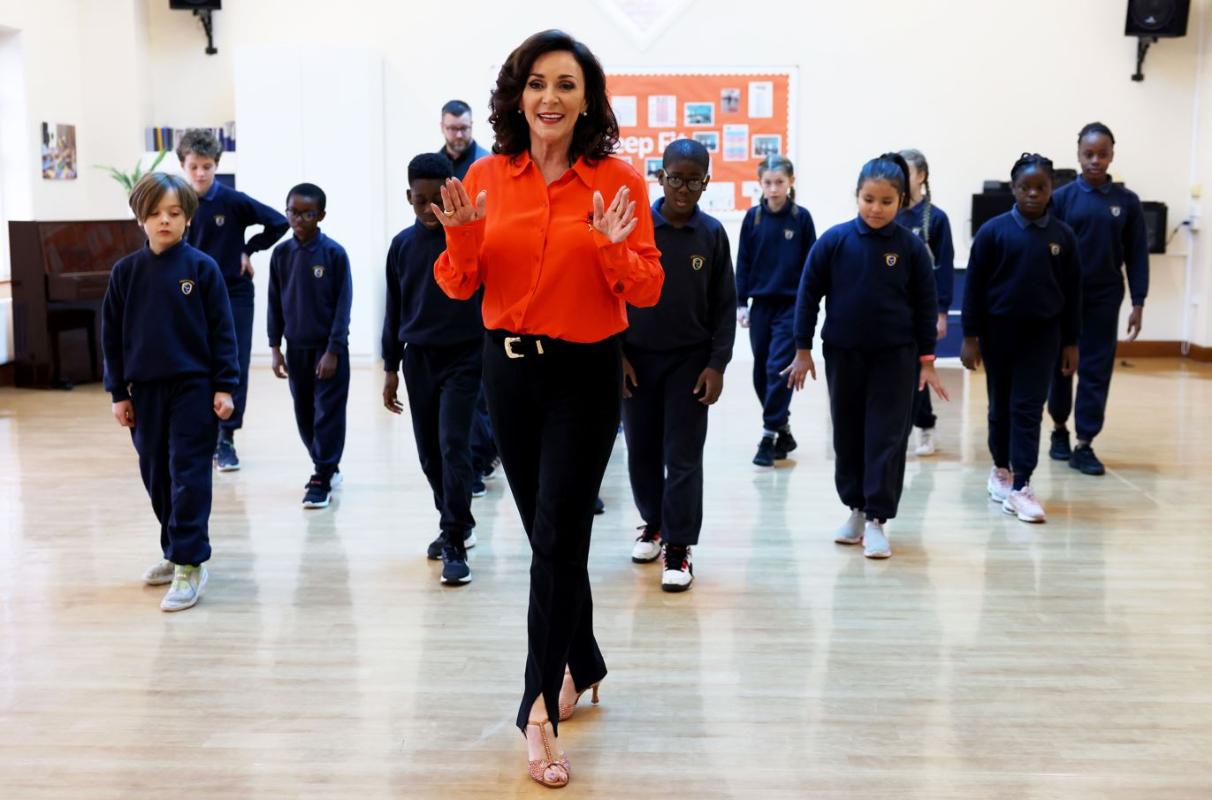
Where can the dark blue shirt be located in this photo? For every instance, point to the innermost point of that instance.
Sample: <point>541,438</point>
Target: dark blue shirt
<point>167,316</point>
<point>698,300</point>
<point>310,293</point>
<point>770,256</point>
<point>217,228</point>
<point>878,285</point>
<point>937,238</point>
<point>1110,228</point>
<point>418,311</point>
<point>472,154</point>
<point>1024,269</point>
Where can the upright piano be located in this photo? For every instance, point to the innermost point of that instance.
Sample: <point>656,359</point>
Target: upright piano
<point>60,273</point>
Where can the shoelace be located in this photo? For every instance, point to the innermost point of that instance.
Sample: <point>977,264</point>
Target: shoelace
<point>677,557</point>
<point>181,580</point>
<point>647,535</point>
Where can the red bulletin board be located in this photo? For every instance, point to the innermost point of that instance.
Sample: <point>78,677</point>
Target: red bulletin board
<point>741,117</point>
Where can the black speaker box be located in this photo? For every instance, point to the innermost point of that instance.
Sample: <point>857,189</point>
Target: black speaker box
<point>1155,224</point>
<point>196,5</point>
<point>1157,18</point>
<point>987,205</point>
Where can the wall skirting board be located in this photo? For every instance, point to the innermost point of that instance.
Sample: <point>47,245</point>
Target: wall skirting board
<point>1162,349</point>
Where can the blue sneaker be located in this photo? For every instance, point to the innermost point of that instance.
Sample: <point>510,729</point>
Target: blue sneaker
<point>455,571</point>
<point>319,492</point>
<point>225,455</point>
<point>478,489</point>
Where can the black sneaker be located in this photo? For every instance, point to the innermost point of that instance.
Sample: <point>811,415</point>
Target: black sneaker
<point>765,452</point>
<point>319,491</point>
<point>455,571</point>
<point>599,507</point>
<point>225,455</point>
<point>490,471</point>
<point>478,489</point>
<point>434,551</point>
<point>784,443</point>
<point>679,570</point>
<point>1060,450</point>
<point>1084,461</point>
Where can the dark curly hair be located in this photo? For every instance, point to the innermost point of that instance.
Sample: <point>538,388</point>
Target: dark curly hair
<point>596,134</point>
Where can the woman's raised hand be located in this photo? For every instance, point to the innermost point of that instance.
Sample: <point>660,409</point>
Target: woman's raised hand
<point>457,208</point>
<point>617,222</point>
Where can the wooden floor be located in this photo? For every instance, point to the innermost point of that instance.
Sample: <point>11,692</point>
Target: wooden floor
<point>986,659</point>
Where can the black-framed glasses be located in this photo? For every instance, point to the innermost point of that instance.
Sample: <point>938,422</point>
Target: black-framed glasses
<point>677,182</point>
<point>306,216</point>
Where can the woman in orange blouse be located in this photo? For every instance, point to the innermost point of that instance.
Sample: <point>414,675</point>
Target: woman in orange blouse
<point>558,266</point>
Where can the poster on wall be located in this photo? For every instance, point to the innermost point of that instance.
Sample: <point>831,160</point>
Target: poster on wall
<point>740,117</point>
<point>58,152</point>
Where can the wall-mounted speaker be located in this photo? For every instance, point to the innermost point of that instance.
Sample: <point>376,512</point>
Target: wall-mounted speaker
<point>1155,224</point>
<point>1157,18</point>
<point>196,5</point>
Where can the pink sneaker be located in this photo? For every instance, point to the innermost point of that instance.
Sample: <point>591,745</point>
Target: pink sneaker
<point>999,484</point>
<point>1023,505</point>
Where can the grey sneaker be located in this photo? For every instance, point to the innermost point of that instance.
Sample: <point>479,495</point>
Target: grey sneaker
<point>159,574</point>
<point>875,543</point>
<point>851,531</point>
<point>187,588</point>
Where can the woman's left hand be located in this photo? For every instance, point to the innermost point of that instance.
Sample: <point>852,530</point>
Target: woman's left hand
<point>617,222</point>
<point>929,377</point>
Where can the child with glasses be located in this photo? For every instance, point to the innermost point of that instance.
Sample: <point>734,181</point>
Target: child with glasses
<point>310,293</point>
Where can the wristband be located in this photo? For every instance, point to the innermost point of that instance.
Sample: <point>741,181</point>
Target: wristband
<point>926,359</point>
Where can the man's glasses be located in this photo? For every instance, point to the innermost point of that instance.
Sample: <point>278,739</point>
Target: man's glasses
<point>307,216</point>
<point>457,129</point>
<point>677,182</point>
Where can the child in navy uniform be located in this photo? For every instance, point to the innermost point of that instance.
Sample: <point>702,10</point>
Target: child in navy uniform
<point>879,334</point>
<point>776,236</point>
<point>310,293</point>
<point>171,366</point>
<point>674,359</point>
<point>218,230</point>
<point>1022,305</point>
<point>439,342</point>
<point>929,223</point>
<point>1110,228</point>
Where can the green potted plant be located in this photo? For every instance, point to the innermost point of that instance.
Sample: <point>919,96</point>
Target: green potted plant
<point>128,181</point>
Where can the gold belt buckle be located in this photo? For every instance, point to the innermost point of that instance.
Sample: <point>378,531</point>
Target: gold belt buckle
<point>509,342</point>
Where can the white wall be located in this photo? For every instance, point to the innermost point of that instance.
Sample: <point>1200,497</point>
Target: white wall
<point>1200,277</point>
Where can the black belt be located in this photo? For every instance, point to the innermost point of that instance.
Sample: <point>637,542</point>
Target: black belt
<point>519,345</point>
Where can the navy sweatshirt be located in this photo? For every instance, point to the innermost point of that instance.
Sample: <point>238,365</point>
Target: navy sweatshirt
<point>1110,228</point>
<point>418,311</point>
<point>217,228</point>
<point>471,155</point>
<point>698,300</point>
<point>770,256</point>
<point>878,285</point>
<point>167,316</point>
<point>310,293</point>
<point>938,241</point>
<point>1024,270</point>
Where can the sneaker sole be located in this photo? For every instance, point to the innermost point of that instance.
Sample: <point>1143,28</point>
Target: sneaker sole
<point>314,504</point>
<point>880,555</point>
<point>675,588</point>
<point>1058,456</point>
<point>762,464</point>
<point>228,468</point>
<point>1092,472</point>
<point>456,581</point>
<point>478,495</point>
<point>924,453</point>
<point>843,540</point>
<point>993,497</point>
<point>158,581</point>
<point>1010,512</point>
<point>635,560</point>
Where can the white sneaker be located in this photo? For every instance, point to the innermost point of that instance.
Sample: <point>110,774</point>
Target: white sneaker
<point>999,484</point>
<point>679,570</point>
<point>188,585</point>
<point>1022,504</point>
<point>159,574</point>
<point>875,543</point>
<point>851,531</point>
<point>925,442</point>
<point>647,546</point>
<point>470,540</point>
<point>336,480</point>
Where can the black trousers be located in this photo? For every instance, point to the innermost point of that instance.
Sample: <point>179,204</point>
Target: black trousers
<point>1019,355</point>
<point>870,400</point>
<point>174,434</point>
<point>555,414</point>
<point>772,337</point>
<point>442,384</point>
<point>923,409</point>
<point>243,299</point>
<point>1096,360</point>
<point>483,448</point>
<point>319,405</point>
<point>666,428</point>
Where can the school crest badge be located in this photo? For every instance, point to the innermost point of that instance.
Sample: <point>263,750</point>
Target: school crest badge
<point>697,262</point>
<point>187,287</point>
<point>788,233</point>
<point>318,270</point>
<point>1054,249</point>
<point>891,258</point>
<point>1116,211</point>
<point>220,219</point>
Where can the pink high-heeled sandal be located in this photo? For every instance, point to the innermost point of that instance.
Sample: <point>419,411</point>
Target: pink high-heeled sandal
<point>549,771</point>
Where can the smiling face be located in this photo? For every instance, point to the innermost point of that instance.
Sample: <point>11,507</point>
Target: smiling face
<point>878,202</point>
<point>554,98</point>
<point>1095,152</point>
<point>1032,190</point>
<point>200,171</point>
<point>166,224</point>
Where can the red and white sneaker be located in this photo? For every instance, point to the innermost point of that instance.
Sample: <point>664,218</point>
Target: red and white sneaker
<point>1022,504</point>
<point>999,484</point>
<point>647,546</point>
<point>679,569</point>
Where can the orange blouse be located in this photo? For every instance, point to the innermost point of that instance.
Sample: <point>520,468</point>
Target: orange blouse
<point>544,269</point>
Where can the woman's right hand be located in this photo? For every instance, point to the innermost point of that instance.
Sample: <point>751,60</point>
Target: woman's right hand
<point>457,208</point>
